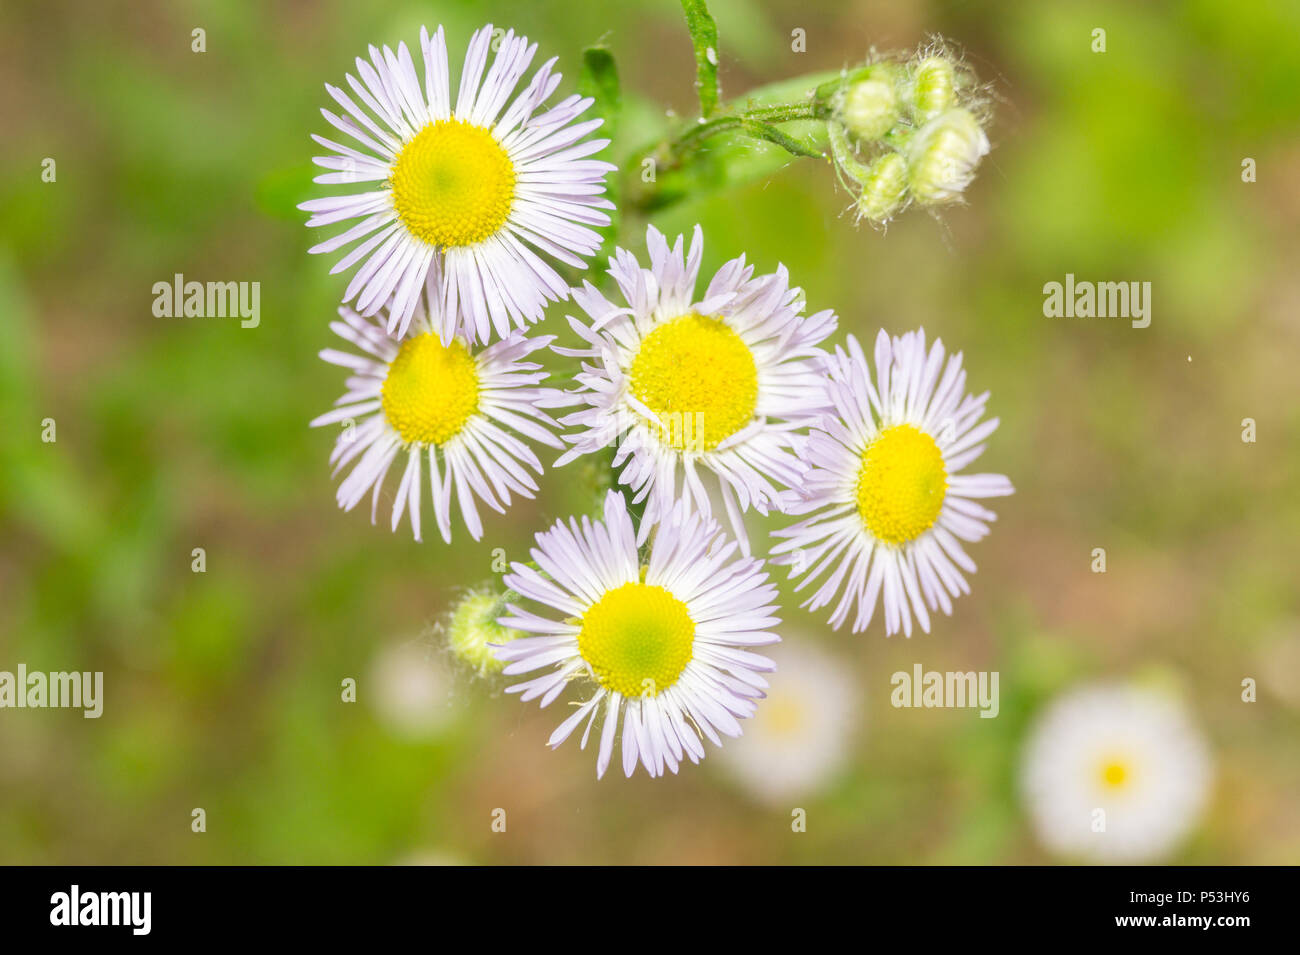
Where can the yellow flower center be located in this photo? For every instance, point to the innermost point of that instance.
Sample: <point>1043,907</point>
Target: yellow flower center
<point>1114,774</point>
<point>901,485</point>
<point>431,390</point>
<point>698,376</point>
<point>638,639</point>
<point>453,184</point>
<point>783,714</point>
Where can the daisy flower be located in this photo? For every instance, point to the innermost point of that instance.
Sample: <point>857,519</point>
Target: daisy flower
<point>665,643</point>
<point>459,409</point>
<point>1115,773</point>
<point>799,738</point>
<point>719,384</point>
<point>890,506</point>
<point>412,690</point>
<point>480,185</point>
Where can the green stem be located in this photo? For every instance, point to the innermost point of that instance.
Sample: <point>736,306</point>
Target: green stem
<point>780,113</point>
<point>760,121</point>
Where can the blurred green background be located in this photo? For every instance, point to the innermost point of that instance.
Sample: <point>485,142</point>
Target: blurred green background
<point>222,689</point>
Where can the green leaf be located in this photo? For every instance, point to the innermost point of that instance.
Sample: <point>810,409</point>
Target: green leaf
<point>599,80</point>
<point>704,34</point>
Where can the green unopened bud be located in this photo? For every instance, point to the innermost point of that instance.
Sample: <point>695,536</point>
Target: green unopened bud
<point>870,107</point>
<point>933,87</point>
<point>942,156</point>
<point>473,626</point>
<point>884,188</point>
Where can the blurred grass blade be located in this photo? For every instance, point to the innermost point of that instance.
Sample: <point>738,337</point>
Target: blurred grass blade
<point>704,34</point>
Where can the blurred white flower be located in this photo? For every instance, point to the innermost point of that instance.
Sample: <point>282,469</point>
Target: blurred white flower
<point>1115,773</point>
<point>799,738</point>
<point>409,689</point>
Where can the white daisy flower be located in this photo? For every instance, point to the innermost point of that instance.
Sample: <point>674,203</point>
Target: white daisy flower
<point>799,738</point>
<point>719,384</point>
<point>479,185</point>
<point>411,690</point>
<point>664,642</point>
<point>890,506</point>
<point>1115,773</point>
<point>460,409</point>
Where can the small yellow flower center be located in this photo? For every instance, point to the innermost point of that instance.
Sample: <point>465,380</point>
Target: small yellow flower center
<point>453,184</point>
<point>638,639</point>
<point>1114,773</point>
<point>783,714</point>
<point>698,376</point>
<point>901,485</point>
<point>431,390</point>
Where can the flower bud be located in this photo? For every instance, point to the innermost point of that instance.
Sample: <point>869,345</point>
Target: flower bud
<point>870,106</point>
<point>933,88</point>
<point>473,626</point>
<point>942,156</point>
<point>884,188</point>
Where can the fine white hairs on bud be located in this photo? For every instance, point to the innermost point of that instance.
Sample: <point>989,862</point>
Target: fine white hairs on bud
<point>884,188</point>
<point>933,87</point>
<point>904,130</point>
<point>869,107</point>
<point>472,629</point>
<point>943,154</point>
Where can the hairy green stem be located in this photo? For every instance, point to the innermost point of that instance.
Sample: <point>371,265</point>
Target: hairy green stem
<point>751,117</point>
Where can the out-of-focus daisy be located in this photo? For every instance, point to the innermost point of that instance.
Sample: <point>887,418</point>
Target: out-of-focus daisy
<point>799,737</point>
<point>410,689</point>
<point>664,643</point>
<point>1115,773</point>
<point>459,410</point>
<point>481,184</point>
<point>719,384</point>
<point>890,506</point>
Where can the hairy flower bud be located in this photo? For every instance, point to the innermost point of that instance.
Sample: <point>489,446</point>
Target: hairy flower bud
<point>473,626</point>
<point>933,87</point>
<point>884,188</point>
<point>942,156</point>
<point>870,106</point>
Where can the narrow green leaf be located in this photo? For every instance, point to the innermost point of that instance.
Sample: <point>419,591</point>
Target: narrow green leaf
<point>599,80</point>
<point>704,34</point>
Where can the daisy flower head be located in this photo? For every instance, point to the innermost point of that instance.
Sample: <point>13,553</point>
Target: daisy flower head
<point>480,184</point>
<point>460,410</point>
<point>800,737</point>
<point>412,690</point>
<point>1115,773</point>
<point>889,505</point>
<point>715,386</point>
<point>662,641</point>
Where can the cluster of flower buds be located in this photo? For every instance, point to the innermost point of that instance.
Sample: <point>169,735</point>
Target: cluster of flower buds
<point>907,132</point>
